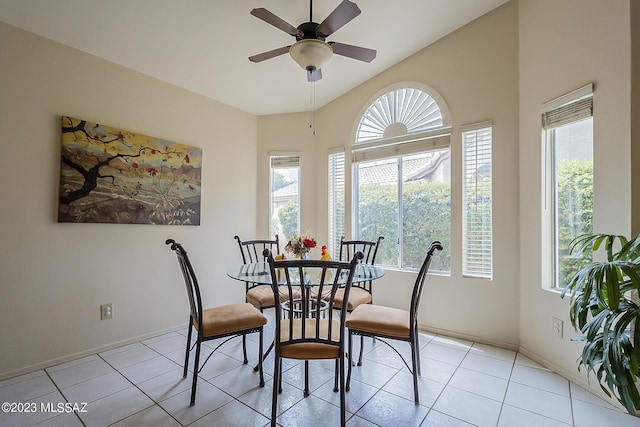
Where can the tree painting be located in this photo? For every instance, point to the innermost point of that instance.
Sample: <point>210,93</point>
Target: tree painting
<point>109,175</point>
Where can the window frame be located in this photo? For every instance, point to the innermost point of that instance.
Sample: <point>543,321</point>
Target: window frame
<point>336,185</point>
<point>400,219</point>
<point>565,110</point>
<point>396,144</point>
<point>484,268</point>
<point>295,161</point>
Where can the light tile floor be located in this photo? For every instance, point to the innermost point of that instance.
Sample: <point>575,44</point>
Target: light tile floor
<point>462,384</point>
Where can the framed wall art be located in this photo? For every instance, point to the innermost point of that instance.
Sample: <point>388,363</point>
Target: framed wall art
<point>110,175</point>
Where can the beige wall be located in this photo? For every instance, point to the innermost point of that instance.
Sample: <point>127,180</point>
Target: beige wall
<point>501,67</point>
<point>563,46</point>
<point>287,133</point>
<point>635,117</point>
<point>53,277</point>
<point>488,90</point>
<point>523,54</point>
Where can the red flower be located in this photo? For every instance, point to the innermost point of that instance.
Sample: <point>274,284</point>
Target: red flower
<point>309,243</point>
<point>153,172</point>
<point>134,165</point>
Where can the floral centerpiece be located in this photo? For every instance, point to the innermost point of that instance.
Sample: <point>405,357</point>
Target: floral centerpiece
<point>300,245</point>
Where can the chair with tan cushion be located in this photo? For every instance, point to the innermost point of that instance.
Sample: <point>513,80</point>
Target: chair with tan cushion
<point>228,321</point>
<point>361,292</point>
<point>314,330</point>
<point>392,323</point>
<point>261,296</point>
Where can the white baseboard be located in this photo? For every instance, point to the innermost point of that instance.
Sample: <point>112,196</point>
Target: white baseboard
<point>89,352</point>
<point>578,378</point>
<point>467,337</point>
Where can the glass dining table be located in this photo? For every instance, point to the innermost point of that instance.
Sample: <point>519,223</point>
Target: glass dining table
<point>259,272</point>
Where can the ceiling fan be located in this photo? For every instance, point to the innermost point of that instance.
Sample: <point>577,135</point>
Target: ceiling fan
<point>311,50</point>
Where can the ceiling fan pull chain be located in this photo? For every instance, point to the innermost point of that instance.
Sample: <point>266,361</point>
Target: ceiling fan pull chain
<point>312,107</point>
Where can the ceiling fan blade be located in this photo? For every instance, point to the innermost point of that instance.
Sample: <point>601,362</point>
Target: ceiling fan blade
<point>355,52</point>
<point>270,18</point>
<point>314,75</point>
<point>342,14</point>
<point>270,54</point>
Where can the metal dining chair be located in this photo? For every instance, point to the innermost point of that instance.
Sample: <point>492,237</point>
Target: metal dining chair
<point>251,250</point>
<point>392,323</point>
<point>259,295</point>
<point>307,326</point>
<point>361,292</point>
<point>227,321</point>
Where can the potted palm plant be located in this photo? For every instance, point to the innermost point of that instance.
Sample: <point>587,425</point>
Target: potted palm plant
<point>605,310</point>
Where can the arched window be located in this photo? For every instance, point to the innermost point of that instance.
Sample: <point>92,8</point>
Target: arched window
<point>399,112</point>
<point>401,182</point>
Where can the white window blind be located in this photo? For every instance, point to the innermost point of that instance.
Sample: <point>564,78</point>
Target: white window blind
<point>399,112</point>
<point>477,206</point>
<point>336,200</point>
<point>285,161</point>
<point>569,108</point>
<point>402,146</point>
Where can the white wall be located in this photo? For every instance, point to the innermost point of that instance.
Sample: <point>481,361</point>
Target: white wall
<point>522,54</point>
<point>475,69</point>
<point>634,159</point>
<point>563,46</point>
<point>53,277</point>
<point>287,133</point>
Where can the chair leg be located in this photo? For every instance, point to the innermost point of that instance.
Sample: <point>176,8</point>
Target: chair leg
<point>260,360</point>
<point>306,378</point>
<point>335,384</point>
<point>244,348</point>
<point>277,374</point>
<point>343,400</point>
<point>186,357</point>
<point>195,372</point>
<point>417,341</point>
<point>264,355</point>
<point>361,349</point>
<point>350,355</point>
<point>415,368</point>
<point>280,380</point>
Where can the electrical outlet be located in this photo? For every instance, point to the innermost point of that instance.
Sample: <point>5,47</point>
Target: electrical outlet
<point>106,311</point>
<point>556,327</point>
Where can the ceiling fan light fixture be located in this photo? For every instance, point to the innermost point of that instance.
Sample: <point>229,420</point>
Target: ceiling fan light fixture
<point>310,54</point>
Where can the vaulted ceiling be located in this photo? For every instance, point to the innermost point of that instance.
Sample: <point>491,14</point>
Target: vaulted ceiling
<point>203,45</point>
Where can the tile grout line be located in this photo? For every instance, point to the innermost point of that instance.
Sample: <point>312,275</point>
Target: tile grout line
<point>138,388</point>
<point>506,390</point>
<point>446,385</point>
<point>63,396</point>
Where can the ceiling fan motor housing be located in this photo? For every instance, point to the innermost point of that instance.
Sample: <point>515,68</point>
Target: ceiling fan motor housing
<point>309,32</point>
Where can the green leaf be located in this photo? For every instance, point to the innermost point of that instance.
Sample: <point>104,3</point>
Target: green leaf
<point>602,310</point>
<point>613,288</point>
